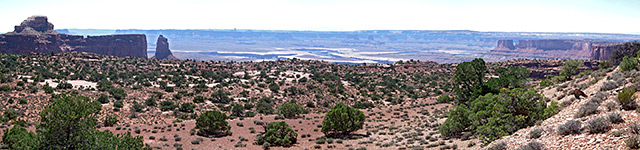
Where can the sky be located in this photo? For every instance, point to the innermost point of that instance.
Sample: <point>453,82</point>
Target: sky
<point>601,16</point>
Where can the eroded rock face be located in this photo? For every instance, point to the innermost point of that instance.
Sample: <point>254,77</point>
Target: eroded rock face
<point>551,49</point>
<point>162,49</point>
<point>505,45</point>
<point>36,34</point>
<point>35,24</point>
<point>603,52</point>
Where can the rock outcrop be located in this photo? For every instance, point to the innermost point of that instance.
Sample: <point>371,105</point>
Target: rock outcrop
<point>603,52</point>
<point>505,45</point>
<point>551,49</point>
<point>36,34</point>
<point>34,25</point>
<point>162,49</point>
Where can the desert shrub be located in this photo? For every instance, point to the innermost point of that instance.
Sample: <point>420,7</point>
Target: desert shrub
<point>605,64</point>
<point>626,99</point>
<point>610,106</point>
<point>110,120</point>
<point>456,123</point>
<point>10,114</point>
<point>19,138</point>
<point>532,146</point>
<point>545,83</point>
<point>629,49</point>
<point>570,68</point>
<point>118,104</point>
<point>237,110</point>
<point>498,146</point>
<point>469,77</point>
<point>103,99</point>
<point>609,85</point>
<point>290,110</point>
<point>264,106</point>
<point>444,99</point>
<point>167,105</point>
<point>187,107</point>
<point>277,134</point>
<point>342,119</point>
<point>570,127</point>
<point>493,116</point>
<point>64,85</point>
<point>634,128</point>
<point>69,123</point>
<point>633,142</point>
<point>213,123</point>
<point>150,102</point>
<point>587,109</point>
<point>536,133</point>
<point>199,99</point>
<point>615,118</point>
<point>551,110</point>
<point>361,105</point>
<point>118,93</point>
<point>598,125</point>
<point>629,63</point>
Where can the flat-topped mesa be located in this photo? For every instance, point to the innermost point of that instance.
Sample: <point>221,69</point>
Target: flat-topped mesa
<point>36,34</point>
<point>505,45</point>
<point>162,49</point>
<point>555,48</point>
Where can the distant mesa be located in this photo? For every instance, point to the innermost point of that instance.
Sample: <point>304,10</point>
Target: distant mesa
<point>162,49</point>
<point>35,25</point>
<point>505,45</point>
<point>36,34</point>
<point>555,48</point>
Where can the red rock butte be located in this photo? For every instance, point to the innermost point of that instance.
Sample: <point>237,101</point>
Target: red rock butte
<point>36,34</point>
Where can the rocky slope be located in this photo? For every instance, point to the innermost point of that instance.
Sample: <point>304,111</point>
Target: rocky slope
<point>602,86</point>
<point>36,34</point>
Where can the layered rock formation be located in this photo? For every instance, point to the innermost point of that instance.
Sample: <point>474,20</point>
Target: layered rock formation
<point>551,49</point>
<point>505,45</point>
<point>162,49</point>
<point>603,52</point>
<point>36,34</point>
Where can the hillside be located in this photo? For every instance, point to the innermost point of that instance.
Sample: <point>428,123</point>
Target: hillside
<point>160,100</point>
<point>602,87</point>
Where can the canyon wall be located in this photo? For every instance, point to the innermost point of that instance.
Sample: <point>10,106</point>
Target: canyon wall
<point>36,34</point>
<point>553,48</point>
<point>505,45</point>
<point>603,52</point>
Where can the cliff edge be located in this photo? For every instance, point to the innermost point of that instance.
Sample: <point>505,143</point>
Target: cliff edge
<point>36,34</point>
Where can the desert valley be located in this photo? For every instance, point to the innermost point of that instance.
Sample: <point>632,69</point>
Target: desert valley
<point>293,89</point>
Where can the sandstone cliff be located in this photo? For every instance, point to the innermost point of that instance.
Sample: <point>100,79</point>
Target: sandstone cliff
<point>505,45</point>
<point>551,49</point>
<point>162,49</point>
<point>36,34</point>
<point>603,52</point>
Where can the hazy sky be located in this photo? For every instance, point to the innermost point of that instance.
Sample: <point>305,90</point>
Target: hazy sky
<point>610,16</point>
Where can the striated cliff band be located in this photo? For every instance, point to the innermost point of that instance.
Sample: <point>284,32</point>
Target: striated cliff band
<point>552,49</point>
<point>36,34</point>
